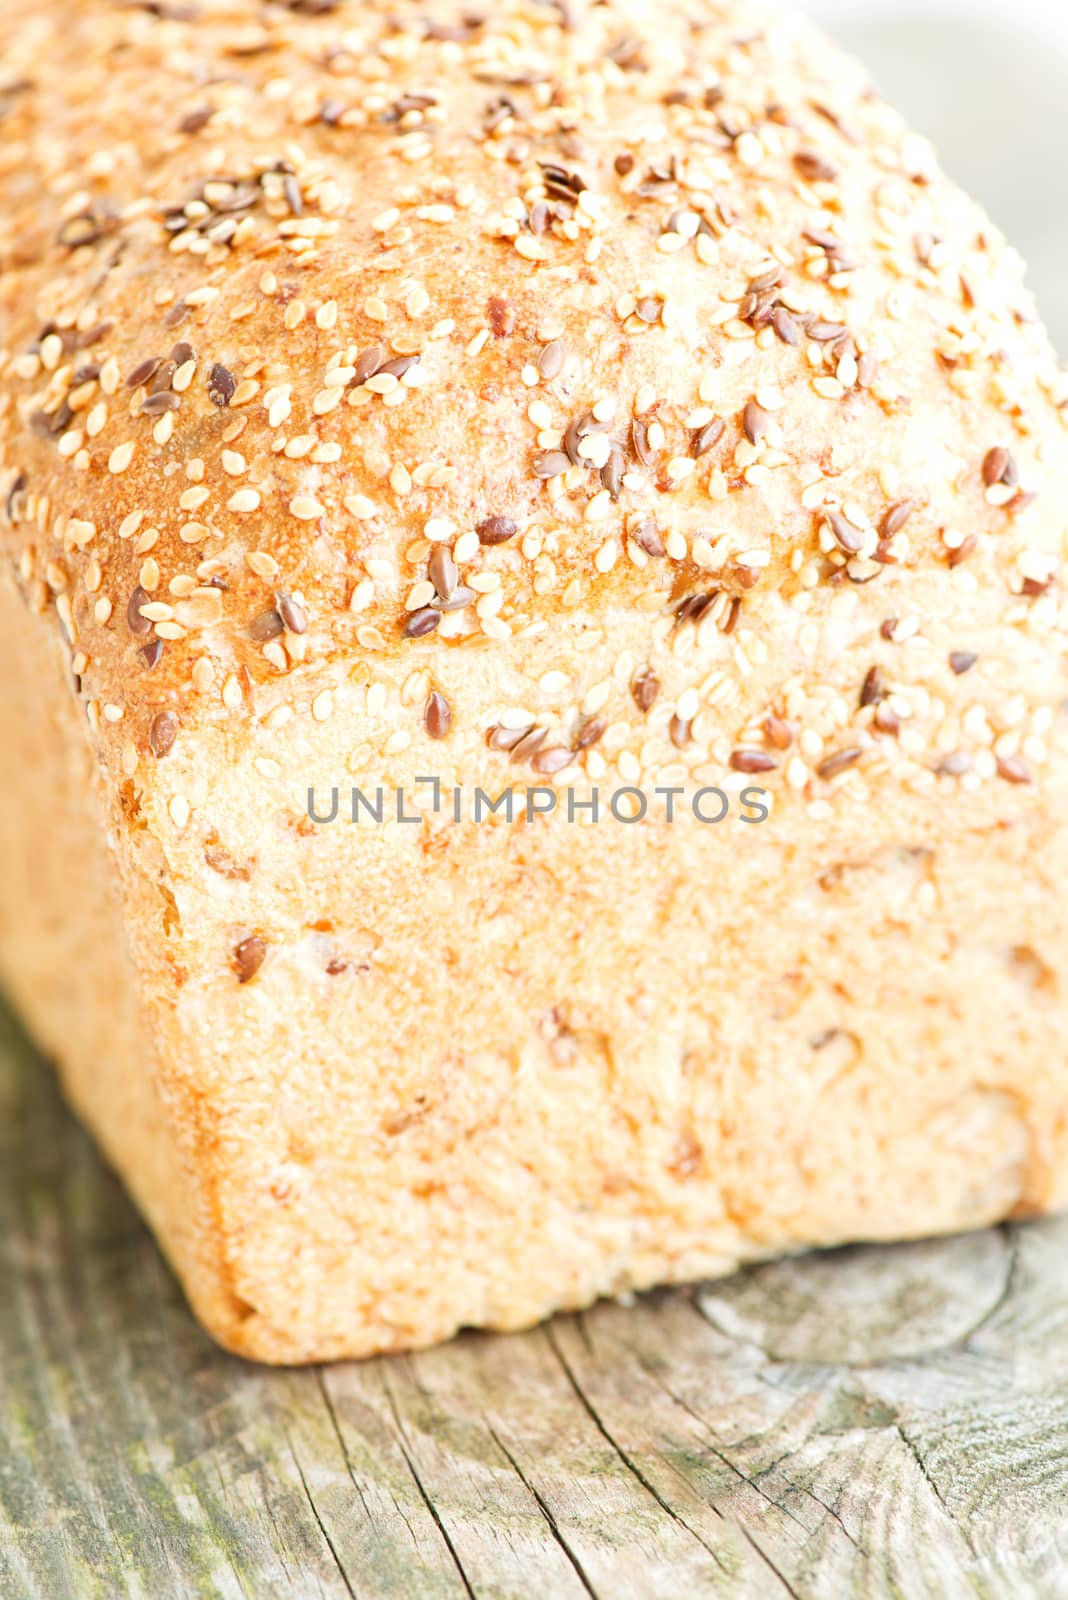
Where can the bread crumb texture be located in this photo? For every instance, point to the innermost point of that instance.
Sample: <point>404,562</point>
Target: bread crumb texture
<point>572,394</point>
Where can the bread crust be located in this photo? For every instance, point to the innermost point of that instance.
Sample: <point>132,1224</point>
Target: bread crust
<point>581,396</point>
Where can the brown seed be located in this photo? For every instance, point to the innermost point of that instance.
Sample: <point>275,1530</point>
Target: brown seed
<point>704,438</point>
<point>849,538</point>
<point>181,353</point>
<point>962,661</point>
<point>963,551</point>
<point>644,689</point>
<point>163,378</point>
<point>679,731</point>
<point>528,743</point>
<point>397,368</point>
<point>498,530</point>
<point>249,957</point>
<point>550,464</point>
<point>463,596</point>
<point>841,761</point>
<point>268,625</point>
<point>143,371</point>
<point>755,421</point>
<point>437,716</point>
<point>752,761</point>
<point>13,506</point>
<point>886,719</point>
<point>506,738</point>
<point>639,438</point>
<point>501,316</point>
<point>138,624</point>
<point>151,653</point>
<point>872,691</point>
<point>194,120</point>
<point>896,517</point>
<point>589,733</point>
<point>823,240</point>
<point>785,326</point>
<point>155,405</point>
<point>551,361</point>
<point>612,473</point>
<point>293,615</point>
<point>553,760</point>
<point>573,437</point>
<point>221,385</point>
<point>368,362</point>
<point>1014,769</point>
<point>163,733</point>
<point>824,332</point>
<point>647,537</point>
<point>867,369</point>
<point>766,280</point>
<point>650,311</point>
<point>1000,467</point>
<point>442,571</point>
<point>421,622</point>
<point>778,732</point>
<point>813,167</point>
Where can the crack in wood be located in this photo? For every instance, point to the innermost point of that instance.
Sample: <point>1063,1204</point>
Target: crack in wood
<point>550,1520</point>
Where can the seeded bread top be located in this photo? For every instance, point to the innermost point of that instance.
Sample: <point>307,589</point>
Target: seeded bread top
<point>367,331</point>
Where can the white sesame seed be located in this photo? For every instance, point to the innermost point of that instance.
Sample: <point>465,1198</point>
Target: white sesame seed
<point>360,507</point>
<point>306,508</point>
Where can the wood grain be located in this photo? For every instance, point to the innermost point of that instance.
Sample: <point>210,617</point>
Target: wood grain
<point>875,1422</point>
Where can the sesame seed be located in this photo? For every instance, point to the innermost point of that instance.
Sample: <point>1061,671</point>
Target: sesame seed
<point>121,457</point>
<point>306,508</point>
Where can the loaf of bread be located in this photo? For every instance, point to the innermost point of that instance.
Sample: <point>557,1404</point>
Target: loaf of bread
<point>413,407</point>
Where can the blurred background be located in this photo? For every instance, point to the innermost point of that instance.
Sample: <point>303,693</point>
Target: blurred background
<point>988,83</point>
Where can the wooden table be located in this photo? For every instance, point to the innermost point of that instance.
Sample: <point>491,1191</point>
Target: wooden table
<point>872,1422</point>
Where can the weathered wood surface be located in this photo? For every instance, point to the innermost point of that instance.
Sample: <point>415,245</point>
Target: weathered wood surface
<point>872,1423</point>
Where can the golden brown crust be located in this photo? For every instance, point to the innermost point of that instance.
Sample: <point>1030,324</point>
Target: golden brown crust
<point>659,342</point>
<point>286,190</point>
